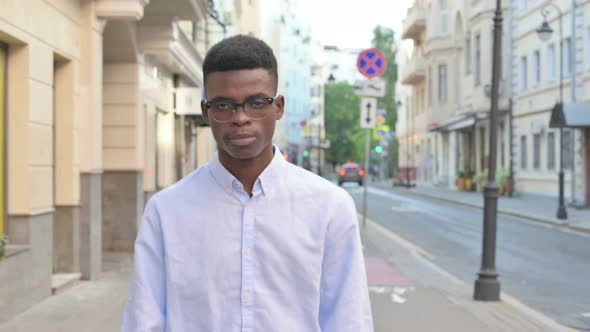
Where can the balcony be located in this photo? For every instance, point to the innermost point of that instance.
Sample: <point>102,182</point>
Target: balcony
<point>193,10</point>
<point>167,44</point>
<point>415,22</point>
<point>124,10</point>
<point>414,71</point>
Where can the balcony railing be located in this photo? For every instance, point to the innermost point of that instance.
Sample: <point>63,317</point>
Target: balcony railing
<point>415,22</point>
<point>414,71</point>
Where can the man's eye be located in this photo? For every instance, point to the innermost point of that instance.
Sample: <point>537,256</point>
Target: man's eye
<point>256,104</point>
<point>222,106</point>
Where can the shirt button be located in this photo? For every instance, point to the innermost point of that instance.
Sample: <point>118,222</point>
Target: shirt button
<point>246,296</point>
<point>247,252</point>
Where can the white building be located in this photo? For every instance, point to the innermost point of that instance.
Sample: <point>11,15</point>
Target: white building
<point>449,73</point>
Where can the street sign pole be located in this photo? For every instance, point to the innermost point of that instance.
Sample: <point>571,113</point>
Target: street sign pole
<point>365,179</point>
<point>371,63</point>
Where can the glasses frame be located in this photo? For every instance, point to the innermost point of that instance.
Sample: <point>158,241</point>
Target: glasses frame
<point>235,106</point>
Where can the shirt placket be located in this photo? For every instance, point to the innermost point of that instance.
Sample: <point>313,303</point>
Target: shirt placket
<point>248,266</point>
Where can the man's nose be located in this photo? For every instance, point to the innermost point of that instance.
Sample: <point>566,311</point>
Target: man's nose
<point>239,116</point>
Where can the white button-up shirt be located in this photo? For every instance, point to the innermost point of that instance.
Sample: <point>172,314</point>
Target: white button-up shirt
<point>208,257</point>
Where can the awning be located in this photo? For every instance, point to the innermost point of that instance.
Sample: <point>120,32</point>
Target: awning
<point>571,115</point>
<point>455,123</point>
<point>463,124</point>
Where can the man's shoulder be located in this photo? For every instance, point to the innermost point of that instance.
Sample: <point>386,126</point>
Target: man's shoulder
<point>188,186</point>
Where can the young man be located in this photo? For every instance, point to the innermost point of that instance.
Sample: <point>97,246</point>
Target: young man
<point>248,242</point>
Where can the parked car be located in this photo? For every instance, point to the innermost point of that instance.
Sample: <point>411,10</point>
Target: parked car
<point>351,172</point>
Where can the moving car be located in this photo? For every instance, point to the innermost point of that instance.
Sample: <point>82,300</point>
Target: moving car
<point>351,172</point>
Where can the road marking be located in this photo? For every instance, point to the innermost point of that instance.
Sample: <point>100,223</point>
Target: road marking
<point>393,236</point>
<point>404,209</point>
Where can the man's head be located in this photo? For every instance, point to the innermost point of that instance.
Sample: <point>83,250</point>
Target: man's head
<point>240,75</point>
<point>240,52</point>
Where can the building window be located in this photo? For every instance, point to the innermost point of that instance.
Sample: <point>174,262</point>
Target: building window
<point>429,86</point>
<point>477,60</point>
<point>523,4</point>
<point>536,67</point>
<point>523,152</point>
<point>551,151</point>
<point>468,54</point>
<point>537,151</point>
<point>567,63</point>
<point>567,149</point>
<point>551,62</point>
<point>502,145</point>
<point>443,16</point>
<point>523,73</point>
<point>588,47</point>
<point>442,84</point>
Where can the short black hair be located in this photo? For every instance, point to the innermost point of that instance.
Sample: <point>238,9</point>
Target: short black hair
<point>240,52</point>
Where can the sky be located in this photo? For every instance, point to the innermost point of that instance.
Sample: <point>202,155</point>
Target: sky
<point>350,23</point>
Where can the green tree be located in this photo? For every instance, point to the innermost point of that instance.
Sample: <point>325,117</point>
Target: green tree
<point>383,40</point>
<point>342,124</point>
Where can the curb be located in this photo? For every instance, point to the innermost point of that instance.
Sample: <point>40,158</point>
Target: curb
<point>512,213</point>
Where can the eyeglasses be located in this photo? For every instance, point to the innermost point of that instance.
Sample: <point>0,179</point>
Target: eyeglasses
<point>223,110</point>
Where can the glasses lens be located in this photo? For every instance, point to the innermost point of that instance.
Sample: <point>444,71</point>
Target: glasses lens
<point>257,108</point>
<point>221,111</point>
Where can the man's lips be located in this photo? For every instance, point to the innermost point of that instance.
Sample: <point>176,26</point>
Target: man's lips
<point>241,139</point>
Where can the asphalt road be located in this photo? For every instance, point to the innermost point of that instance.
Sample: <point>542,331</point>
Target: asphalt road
<point>545,268</point>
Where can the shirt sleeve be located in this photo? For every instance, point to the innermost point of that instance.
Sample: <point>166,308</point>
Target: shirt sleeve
<point>344,295</point>
<point>146,304</point>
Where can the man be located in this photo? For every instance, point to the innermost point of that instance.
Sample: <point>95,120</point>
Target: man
<point>248,242</point>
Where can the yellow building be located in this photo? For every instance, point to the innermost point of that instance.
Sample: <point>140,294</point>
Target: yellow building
<point>99,104</point>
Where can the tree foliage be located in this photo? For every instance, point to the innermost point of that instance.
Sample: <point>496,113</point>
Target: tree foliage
<point>342,124</point>
<point>383,40</point>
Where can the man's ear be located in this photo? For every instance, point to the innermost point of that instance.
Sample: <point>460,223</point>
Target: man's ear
<point>205,112</point>
<point>279,107</point>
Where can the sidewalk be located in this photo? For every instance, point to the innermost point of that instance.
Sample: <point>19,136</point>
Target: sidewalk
<point>527,206</point>
<point>410,293</point>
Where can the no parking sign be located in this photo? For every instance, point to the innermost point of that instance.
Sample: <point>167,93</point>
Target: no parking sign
<point>371,63</point>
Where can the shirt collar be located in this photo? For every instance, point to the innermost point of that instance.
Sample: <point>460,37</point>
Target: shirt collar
<point>266,180</point>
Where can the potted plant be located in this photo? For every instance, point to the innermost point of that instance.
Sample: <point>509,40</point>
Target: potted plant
<point>469,180</point>
<point>461,181</point>
<point>3,243</point>
<point>481,178</point>
<point>502,176</point>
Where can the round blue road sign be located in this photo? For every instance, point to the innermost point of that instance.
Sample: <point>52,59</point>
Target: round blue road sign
<point>371,63</point>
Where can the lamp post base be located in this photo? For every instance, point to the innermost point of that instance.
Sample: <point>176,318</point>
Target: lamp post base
<point>487,286</point>
<point>561,212</point>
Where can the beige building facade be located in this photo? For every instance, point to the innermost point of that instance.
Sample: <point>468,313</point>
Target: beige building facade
<point>100,109</point>
<point>445,131</point>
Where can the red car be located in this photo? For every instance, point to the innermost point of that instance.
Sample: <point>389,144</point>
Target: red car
<point>351,172</point>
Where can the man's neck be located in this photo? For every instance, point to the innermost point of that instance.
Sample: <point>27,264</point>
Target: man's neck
<point>247,170</point>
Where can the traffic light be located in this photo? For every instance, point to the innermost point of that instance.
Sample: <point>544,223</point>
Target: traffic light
<point>378,149</point>
<point>306,153</point>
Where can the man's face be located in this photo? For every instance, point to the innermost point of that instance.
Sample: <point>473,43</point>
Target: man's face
<point>242,137</point>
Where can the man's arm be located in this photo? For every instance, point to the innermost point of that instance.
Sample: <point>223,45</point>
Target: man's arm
<point>344,296</point>
<point>146,304</point>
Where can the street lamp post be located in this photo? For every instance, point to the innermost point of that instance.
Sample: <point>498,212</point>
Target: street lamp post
<point>545,32</point>
<point>487,285</point>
